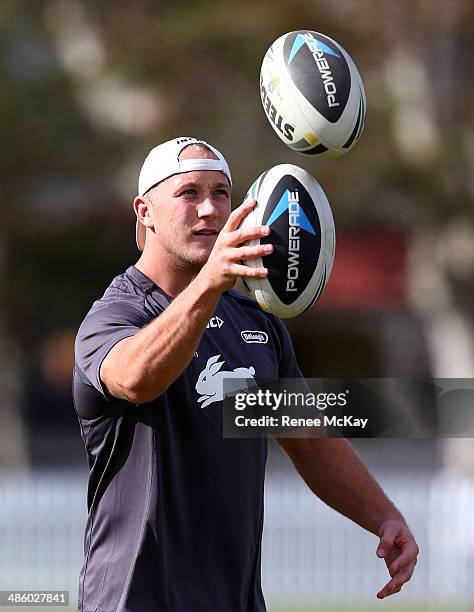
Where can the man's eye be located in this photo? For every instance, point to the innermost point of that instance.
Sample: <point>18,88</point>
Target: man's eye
<point>221,192</point>
<point>188,192</point>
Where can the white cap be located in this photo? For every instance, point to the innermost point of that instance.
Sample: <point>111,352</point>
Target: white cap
<point>163,161</point>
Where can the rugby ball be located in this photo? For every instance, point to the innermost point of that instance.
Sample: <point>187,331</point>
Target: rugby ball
<point>292,203</point>
<point>312,94</point>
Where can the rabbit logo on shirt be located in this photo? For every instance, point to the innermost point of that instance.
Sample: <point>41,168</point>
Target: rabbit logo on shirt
<point>210,383</point>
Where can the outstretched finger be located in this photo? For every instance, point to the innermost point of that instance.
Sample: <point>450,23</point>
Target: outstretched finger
<point>388,589</point>
<point>247,271</point>
<point>253,252</point>
<point>395,584</point>
<point>243,235</point>
<point>238,214</point>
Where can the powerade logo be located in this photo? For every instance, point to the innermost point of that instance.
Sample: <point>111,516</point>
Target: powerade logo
<point>297,220</point>
<point>320,72</point>
<point>318,49</point>
<point>296,237</point>
<point>323,67</point>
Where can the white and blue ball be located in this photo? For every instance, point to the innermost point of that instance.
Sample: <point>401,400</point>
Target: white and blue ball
<point>295,207</point>
<point>312,94</point>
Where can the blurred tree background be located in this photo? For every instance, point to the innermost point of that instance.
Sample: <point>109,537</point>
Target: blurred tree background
<point>88,87</point>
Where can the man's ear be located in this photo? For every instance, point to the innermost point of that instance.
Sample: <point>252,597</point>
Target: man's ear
<point>142,208</point>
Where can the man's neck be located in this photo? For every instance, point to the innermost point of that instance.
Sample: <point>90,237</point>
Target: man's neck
<point>171,280</point>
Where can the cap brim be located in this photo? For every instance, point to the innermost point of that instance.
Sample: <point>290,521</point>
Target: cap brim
<point>140,235</point>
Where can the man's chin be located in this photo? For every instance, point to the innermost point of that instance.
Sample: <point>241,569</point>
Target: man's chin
<point>195,261</point>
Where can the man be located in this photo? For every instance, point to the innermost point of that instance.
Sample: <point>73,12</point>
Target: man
<point>176,511</point>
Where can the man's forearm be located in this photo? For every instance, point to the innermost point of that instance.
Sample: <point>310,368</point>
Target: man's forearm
<point>146,364</point>
<point>334,472</point>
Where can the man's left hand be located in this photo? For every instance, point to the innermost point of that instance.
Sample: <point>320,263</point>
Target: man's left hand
<point>399,550</point>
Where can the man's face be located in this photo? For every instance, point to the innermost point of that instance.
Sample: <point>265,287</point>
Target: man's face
<point>189,210</point>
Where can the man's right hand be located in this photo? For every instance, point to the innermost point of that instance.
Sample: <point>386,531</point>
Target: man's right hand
<point>223,266</point>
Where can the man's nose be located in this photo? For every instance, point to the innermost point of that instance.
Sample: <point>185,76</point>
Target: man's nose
<point>207,208</point>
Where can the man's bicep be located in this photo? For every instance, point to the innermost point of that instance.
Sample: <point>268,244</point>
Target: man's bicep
<point>110,366</point>
<point>101,331</point>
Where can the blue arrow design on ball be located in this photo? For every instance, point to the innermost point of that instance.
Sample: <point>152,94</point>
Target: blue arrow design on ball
<point>297,44</point>
<point>300,41</point>
<point>325,49</point>
<point>282,206</point>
